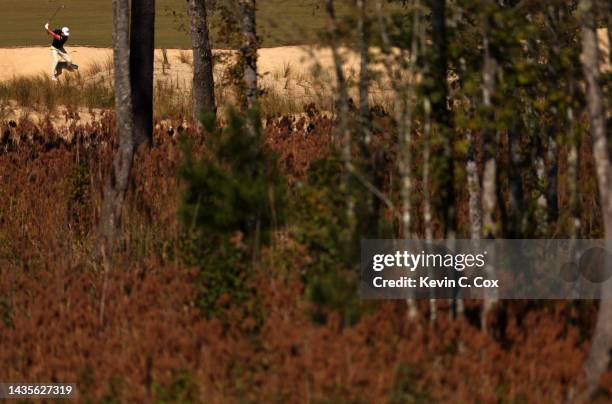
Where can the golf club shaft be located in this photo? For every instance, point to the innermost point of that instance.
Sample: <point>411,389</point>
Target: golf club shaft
<point>55,13</point>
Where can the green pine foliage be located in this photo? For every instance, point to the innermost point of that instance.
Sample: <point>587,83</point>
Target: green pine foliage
<point>318,221</point>
<point>234,186</point>
<point>230,206</point>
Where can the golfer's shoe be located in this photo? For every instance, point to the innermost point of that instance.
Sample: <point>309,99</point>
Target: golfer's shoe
<point>53,78</point>
<point>74,67</point>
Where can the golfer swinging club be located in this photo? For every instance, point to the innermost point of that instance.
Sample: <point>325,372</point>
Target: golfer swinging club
<point>61,59</point>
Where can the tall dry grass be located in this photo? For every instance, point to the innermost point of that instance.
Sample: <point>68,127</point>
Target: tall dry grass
<point>72,91</point>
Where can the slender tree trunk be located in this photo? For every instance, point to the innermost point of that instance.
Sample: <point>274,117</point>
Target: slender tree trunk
<point>474,193</point>
<point>552,154</point>
<point>474,203</point>
<point>203,79</point>
<point>142,48</point>
<point>403,90</point>
<point>426,171</point>
<point>489,180</point>
<point>371,158</point>
<point>364,72</point>
<point>441,114</point>
<point>609,12</point>
<point>598,359</point>
<point>248,50</point>
<point>573,159</point>
<point>516,215</point>
<point>542,203</point>
<point>489,203</point>
<point>439,64</point>
<point>433,306</point>
<point>117,183</point>
<point>572,179</point>
<point>332,29</point>
<point>572,172</point>
<point>443,118</point>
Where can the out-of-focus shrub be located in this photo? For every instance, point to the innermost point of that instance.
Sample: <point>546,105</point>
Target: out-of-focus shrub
<point>231,202</point>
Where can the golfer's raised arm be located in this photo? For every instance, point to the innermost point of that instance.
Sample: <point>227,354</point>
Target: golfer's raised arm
<point>53,34</point>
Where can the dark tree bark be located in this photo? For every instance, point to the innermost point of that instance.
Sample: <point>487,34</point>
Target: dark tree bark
<point>142,48</point>
<point>203,80</point>
<point>489,136</point>
<point>489,177</point>
<point>610,40</point>
<point>117,182</point>
<point>343,107</point>
<point>364,72</point>
<point>404,91</point>
<point>514,226</point>
<point>441,114</point>
<point>599,356</point>
<point>248,50</point>
<point>438,94</point>
<point>609,12</point>
<point>552,204</point>
<point>439,64</point>
<point>573,163</point>
<point>372,159</point>
<point>473,181</point>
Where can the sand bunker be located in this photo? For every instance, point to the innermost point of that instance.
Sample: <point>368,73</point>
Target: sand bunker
<point>291,75</point>
<point>297,60</point>
<point>37,60</point>
<point>32,61</point>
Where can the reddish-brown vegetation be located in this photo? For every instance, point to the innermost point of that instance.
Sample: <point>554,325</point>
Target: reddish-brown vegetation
<point>135,334</point>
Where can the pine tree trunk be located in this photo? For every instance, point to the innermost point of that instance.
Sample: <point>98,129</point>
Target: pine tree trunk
<point>489,180</point>
<point>542,203</point>
<point>441,114</point>
<point>404,123</point>
<point>474,195</point>
<point>403,90</point>
<point>552,213</point>
<point>474,202</point>
<point>598,359</point>
<point>572,180</point>
<point>203,79</point>
<point>117,183</point>
<point>142,48</point>
<point>426,171</point>
<point>516,216</point>
<point>248,50</point>
<point>364,73</point>
<point>572,173</point>
<point>609,12</point>
<point>489,203</point>
<point>439,64</point>
<point>433,306</point>
<point>332,29</point>
<point>371,159</point>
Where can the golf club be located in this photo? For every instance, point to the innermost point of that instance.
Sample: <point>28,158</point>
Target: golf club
<point>60,7</point>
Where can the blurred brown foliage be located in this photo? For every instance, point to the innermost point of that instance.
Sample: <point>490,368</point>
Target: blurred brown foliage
<point>150,342</point>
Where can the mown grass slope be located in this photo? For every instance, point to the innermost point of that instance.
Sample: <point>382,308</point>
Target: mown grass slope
<point>281,22</point>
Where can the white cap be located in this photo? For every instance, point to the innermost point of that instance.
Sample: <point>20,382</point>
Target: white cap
<point>66,31</point>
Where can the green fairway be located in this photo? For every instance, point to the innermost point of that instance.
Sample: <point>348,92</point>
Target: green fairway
<point>281,22</point>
